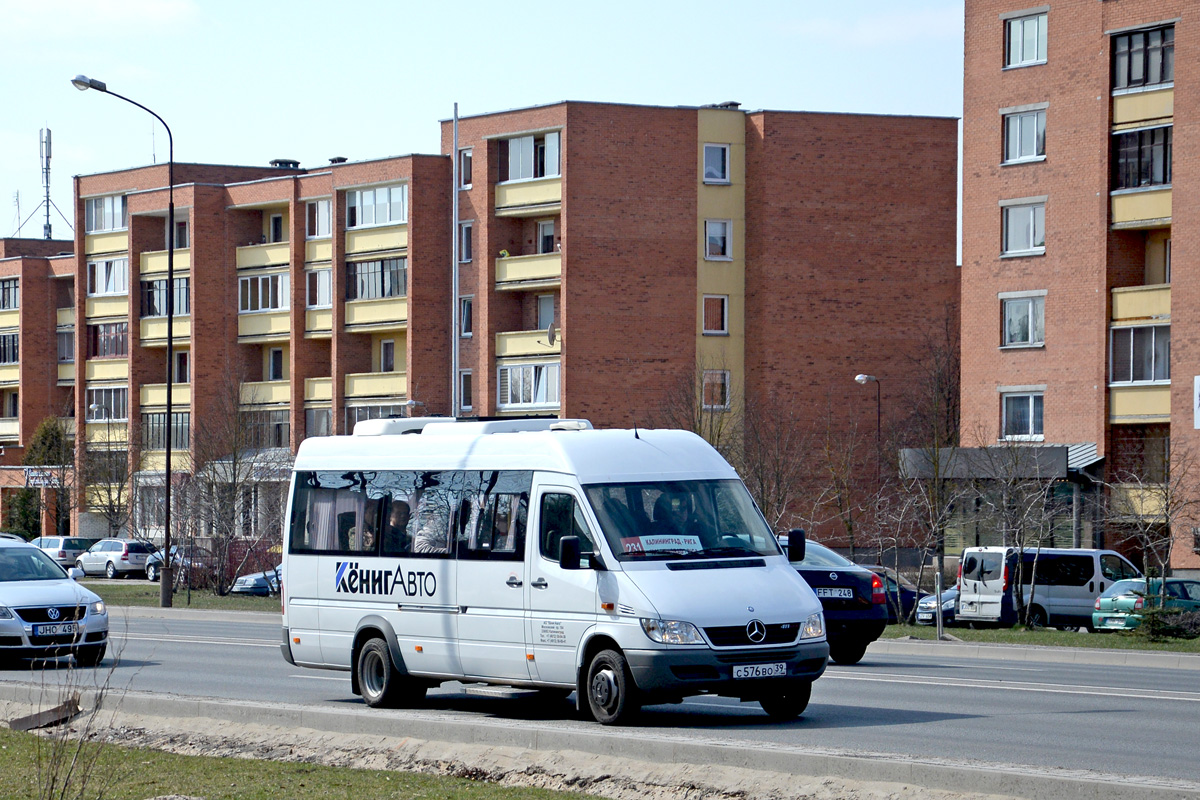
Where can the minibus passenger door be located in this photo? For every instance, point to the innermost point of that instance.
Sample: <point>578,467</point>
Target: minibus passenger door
<point>562,602</point>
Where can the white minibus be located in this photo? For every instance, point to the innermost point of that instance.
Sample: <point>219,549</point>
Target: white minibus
<point>627,566</point>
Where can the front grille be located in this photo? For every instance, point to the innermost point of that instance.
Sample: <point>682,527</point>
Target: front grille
<point>695,672</point>
<point>755,656</point>
<point>735,635</point>
<point>65,638</point>
<point>65,613</point>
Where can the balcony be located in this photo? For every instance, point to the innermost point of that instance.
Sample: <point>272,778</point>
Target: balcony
<point>1143,106</point>
<point>318,389</point>
<point>377,384</point>
<point>106,369</point>
<point>538,271</point>
<point>10,319</point>
<point>107,433</point>
<point>1139,404</point>
<point>1133,501</point>
<point>371,240</point>
<point>109,242</point>
<point>318,250</point>
<point>274,254</point>
<point>10,374</point>
<point>262,393</point>
<point>156,460</point>
<point>318,323</point>
<point>1141,303</point>
<point>116,305</point>
<point>155,394</point>
<point>526,343</point>
<point>65,317</point>
<point>263,326</point>
<point>66,373</point>
<point>154,330</point>
<point>529,198</point>
<point>156,261</point>
<point>10,429</point>
<point>389,312</point>
<point>1141,208</point>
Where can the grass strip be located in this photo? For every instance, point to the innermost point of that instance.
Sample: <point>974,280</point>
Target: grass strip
<point>1049,637</point>
<point>146,594</point>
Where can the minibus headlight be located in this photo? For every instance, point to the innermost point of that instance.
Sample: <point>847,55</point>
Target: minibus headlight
<point>98,607</point>
<point>814,627</point>
<point>671,631</point>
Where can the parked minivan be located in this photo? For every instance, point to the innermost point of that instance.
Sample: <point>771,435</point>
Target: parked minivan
<point>627,566</point>
<point>1060,585</point>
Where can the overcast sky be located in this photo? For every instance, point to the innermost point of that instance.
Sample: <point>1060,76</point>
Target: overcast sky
<point>246,81</point>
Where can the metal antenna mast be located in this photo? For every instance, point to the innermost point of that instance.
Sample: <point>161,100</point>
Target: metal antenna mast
<point>44,141</point>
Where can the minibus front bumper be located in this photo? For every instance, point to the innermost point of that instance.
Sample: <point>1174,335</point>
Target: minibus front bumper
<point>686,671</point>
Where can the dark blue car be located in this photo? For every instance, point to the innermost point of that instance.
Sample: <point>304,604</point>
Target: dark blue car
<point>852,597</point>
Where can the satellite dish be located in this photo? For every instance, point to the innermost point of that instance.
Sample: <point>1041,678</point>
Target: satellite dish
<point>551,334</point>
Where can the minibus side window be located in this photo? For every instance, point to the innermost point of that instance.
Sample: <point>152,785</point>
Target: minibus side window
<point>429,526</point>
<point>561,516</point>
<point>496,528</point>
<point>1115,568</point>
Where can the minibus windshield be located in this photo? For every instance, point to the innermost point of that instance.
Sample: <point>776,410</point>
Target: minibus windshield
<point>680,519</point>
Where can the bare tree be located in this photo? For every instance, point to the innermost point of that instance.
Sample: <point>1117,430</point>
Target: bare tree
<point>705,402</point>
<point>776,456</point>
<point>52,452</point>
<point>107,465</point>
<point>842,490</point>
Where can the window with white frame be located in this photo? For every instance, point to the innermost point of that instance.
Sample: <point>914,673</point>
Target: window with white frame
<point>466,311</point>
<point>715,390</point>
<point>155,430</point>
<point>464,168</point>
<point>318,422</point>
<point>1142,157</point>
<point>716,163</point>
<point>464,242</point>
<point>276,370</point>
<point>154,297</point>
<point>1024,229</point>
<point>372,280</point>
<point>268,428</point>
<point>276,229</point>
<point>1167,261</point>
<point>716,314</point>
<point>545,236</point>
<point>1026,41</point>
<point>10,348</point>
<point>1144,58</point>
<point>107,404</point>
<point>1024,136</point>
<point>717,244</point>
<point>319,224</point>
<point>104,213</point>
<point>356,414</point>
<point>263,293</point>
<point>12,403</point>
<point>1024,320</point>
<point>545,309</point>
<point>465,386</point>
<point>110,276</point>
<point>319,287</point>
<point>66,346</point>
<point>381,205</point>
<point>108,340</point>
<point>183,239</point>
<point>526,157</point>
<point>10,293</point>
<point>1141,354</point>
<point>181,371</point>
<point>1022,414</point>
<point>387,355</point>
<point>527,386</point>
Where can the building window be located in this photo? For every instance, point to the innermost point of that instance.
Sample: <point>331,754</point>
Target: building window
<point>275,364</point>
<point>10,293</point>
<point>465,400</point>
<point>1026,41</point>
<point>154,298</point>
<point>464,168</point>
<point>319,223</point>
<point>10,349</point>
<point>464,242</point>
<point>268,428</point>
<point>1144,58</point>
<point>1024,229</point>
<point>1142,158</point>
<point>715,390</point>
<point>276,229</point>
<point>104,213</point>
<point>318,422</point>
<point>109,404</point>
<point>320,287</point>
<point>108,340</point>
<point>382,205</point>
<point>527,386</point>
<point>154,430</point>
<point>1141,354</point>
<point>182,239</point>
<point>108,277</point>
<point>1167,261</point>
<point>545,236</point>
<point>716,237</point>
<point>12,403</point>
<point>371,280</point>
<point>263,293</point>
<point>387,355</point>
<point>466,321</point>
<point>356,414</point>
<point>716,163</point>
<point>66,346</point>
<point>1024,321</point>
<point>545,311</point>
<point>1024,136</point>
<point>716,314</point>
<point>181,371</point>
<point>1022,416</point>
<point>526,157</point>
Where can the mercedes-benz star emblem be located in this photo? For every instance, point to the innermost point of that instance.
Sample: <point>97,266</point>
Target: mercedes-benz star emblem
<point>756,631</point>
<point>52,613</point>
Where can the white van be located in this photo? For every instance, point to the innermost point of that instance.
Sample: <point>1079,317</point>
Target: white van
<point>628,566</point>
<point>1060,585</point>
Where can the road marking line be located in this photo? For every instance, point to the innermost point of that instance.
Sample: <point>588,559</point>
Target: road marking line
<point>319,678</point>
<point>190,640</point>
<point>1049,688</point>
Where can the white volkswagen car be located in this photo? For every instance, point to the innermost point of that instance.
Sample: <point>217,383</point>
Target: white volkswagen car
<point>44,613</point>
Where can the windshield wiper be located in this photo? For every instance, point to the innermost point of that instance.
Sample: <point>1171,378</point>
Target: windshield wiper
<point>729,550</point>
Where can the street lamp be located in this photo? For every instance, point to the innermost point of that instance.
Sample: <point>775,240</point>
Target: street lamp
<point>864,379</point>
<point>83,83</point>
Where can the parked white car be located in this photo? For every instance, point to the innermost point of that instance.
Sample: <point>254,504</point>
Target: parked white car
<point>115,558</point>
<point>44,613</point>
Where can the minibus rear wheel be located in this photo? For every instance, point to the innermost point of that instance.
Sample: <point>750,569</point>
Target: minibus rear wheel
<point>382,686</point>
<point>789,704</point>
<point>612,695</point>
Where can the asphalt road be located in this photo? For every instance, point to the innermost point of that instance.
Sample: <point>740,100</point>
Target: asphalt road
<point>1125,721</point>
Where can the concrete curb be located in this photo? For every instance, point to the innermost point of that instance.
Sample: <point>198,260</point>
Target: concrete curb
<point>642,746</point>
<point>1058,655</point>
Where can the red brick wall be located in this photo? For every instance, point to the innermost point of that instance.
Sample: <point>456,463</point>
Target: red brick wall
<point>429,287</point>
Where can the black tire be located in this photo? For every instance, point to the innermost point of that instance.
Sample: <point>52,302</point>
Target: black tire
<point>612,696</point>
<point>79,566</point>
<point>381,684</point>
<point>1068,628</point>
<point>788,704</point>
<point>90,655</point>
<point>1037,618</point>
<point>848,651</point>
<point>151,572</point>
<point>110,571</point>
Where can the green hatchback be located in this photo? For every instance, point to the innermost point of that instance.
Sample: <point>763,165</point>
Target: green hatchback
<point>1118,607</point>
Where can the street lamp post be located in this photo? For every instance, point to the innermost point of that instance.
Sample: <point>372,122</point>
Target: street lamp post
<point>865,379</point>
<point>83,83</point>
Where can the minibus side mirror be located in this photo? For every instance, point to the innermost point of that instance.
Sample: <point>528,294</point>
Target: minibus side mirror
<point>796,544</point>
<point>568,553</point>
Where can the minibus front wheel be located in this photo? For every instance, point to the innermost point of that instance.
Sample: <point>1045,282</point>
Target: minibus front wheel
<point>381,684</point>
<point>612,695</point>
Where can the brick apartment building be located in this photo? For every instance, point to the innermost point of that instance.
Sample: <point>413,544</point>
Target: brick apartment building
<point>765,253</point>
<point>1078,325</point>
